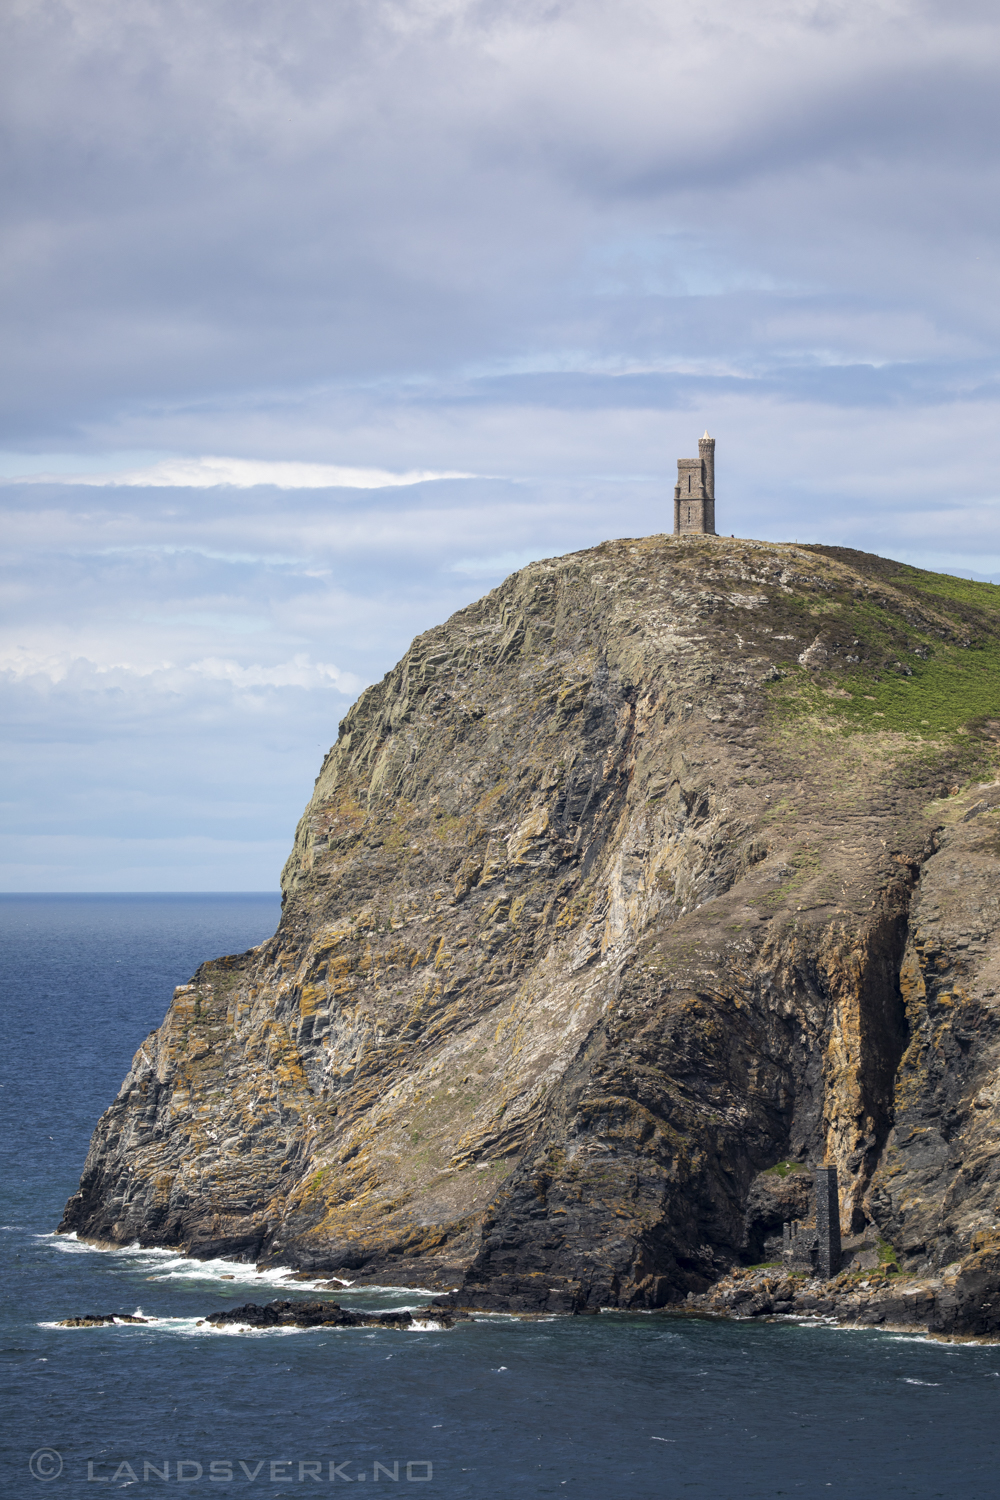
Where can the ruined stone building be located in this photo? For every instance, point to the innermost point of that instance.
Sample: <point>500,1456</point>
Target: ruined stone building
<point>816,1247</point>
<point>694,492</point>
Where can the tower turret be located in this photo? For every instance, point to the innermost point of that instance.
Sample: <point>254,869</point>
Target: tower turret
<point>706,450</point>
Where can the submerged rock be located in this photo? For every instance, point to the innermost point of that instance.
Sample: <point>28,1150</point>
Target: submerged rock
<point>649,870</point>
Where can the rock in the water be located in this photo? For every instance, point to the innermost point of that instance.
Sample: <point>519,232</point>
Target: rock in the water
<point>99,1320</point>
<point>665,862</point>
<point>287,1314</point>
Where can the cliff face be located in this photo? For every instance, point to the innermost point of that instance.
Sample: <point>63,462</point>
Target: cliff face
<point>663,862</point>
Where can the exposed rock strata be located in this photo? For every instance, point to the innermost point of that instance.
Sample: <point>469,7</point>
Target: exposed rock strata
<point>614,892</point>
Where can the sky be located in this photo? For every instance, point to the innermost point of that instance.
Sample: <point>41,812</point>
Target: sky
<point>320,319</point>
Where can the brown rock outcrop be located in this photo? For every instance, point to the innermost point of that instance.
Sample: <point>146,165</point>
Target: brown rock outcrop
<point>613,893</point>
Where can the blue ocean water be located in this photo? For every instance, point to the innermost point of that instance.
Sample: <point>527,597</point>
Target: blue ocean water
<point>645,1407</point>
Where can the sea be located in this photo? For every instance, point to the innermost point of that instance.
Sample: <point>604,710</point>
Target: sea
<point>623,1406</point>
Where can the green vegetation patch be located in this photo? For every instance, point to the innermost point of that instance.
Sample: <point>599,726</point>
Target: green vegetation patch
<point>946,587</point>
<point>886,1253</point>
<point>946,693</point>
<point>782,1168</point>
<point>920,657</point>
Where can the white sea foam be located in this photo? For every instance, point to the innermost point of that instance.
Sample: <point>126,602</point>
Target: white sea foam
<point>819,1325</point>
<point>194,1327</point>
<point>943,1342</point>
<point>172,1265</point>
<point>421,1291</point>
<point>909,1380</point>
<point>67,1243</point>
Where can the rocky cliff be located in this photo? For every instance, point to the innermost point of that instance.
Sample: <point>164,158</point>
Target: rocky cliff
<point>664,862</point>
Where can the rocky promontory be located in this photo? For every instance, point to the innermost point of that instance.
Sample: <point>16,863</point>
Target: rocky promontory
<point>956,1299</point>
<point>663,863</point>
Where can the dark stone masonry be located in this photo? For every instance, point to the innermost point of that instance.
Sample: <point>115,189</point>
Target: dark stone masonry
<point>816,1248</point>
<point>827,1223</point>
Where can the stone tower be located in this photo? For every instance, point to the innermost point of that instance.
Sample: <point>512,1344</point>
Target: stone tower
<point>694,492</point>
<point>827,1223</point>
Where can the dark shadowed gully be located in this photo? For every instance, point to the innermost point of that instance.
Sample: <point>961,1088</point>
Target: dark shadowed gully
<point>664,864</point>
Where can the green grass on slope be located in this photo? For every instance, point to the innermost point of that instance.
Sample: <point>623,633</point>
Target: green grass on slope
<point>930,657</point>
<point>945,586</point>
<point>944,695</point>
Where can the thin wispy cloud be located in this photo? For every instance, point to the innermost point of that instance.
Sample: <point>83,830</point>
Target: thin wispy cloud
<point>242,474</point>
<point>23,666</point>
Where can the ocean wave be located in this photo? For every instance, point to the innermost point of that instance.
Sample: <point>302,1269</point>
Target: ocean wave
<point>191,1327</point>
<point>947,1343</point>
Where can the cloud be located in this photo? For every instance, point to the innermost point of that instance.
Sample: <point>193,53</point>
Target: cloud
<point>240,473</point>
<point>239,201</point>
<point>299,672</point>
<point>23,665</point>
<point>491,567</point>
<point>374,250</point>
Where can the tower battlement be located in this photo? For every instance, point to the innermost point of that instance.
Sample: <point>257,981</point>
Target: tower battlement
<point>694,492</point>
